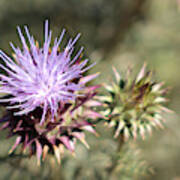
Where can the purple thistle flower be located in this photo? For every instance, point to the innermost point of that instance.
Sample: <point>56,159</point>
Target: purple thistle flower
<point>53,137</point>
<point>49,106</point>
<point>42,77</point>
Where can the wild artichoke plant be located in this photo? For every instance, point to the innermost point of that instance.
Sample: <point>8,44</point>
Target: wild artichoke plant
<point>133,106</point>
<point>49,106</point>
<point>47,100</point>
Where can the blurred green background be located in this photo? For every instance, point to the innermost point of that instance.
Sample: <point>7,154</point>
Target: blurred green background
<point>118,33</point>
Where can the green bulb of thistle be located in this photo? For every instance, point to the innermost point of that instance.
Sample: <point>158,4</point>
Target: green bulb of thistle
<point>133,106</point>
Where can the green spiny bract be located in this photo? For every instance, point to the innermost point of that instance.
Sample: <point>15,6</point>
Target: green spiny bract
<point>133,106</point>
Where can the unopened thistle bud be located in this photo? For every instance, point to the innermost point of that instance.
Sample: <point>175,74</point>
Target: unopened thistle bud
<point>134,105</point>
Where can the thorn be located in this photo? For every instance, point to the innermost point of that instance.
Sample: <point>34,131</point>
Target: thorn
<point>45,151</point>
<point>117,76</point>
<point>141,73</point>
<point>57,154</point>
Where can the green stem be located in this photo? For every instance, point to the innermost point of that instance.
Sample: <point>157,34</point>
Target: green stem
<point>121,142</point>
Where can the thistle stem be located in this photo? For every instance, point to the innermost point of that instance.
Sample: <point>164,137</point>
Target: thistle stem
<point>121,142</point>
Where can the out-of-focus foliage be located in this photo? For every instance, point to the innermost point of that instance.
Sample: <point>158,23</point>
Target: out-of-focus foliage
<point>103,23</point>
<point>130,164</point>
<point>122,34</point>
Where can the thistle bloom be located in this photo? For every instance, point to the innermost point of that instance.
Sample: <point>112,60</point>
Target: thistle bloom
<point>49,105</point>
<point>41,77</point>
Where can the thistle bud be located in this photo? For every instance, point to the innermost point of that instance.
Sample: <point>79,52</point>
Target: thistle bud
<point>133,106</point>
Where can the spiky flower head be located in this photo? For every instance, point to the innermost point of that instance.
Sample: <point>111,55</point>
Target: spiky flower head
<point>48,103</point>
<point>40,76</point>
<point>134,105</point>
<point>53,137</point>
